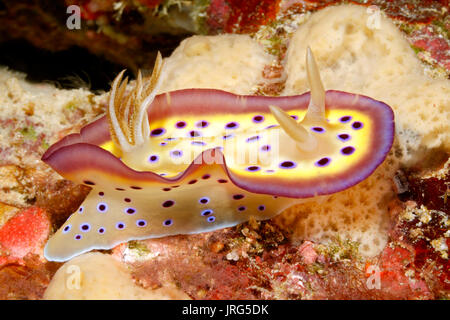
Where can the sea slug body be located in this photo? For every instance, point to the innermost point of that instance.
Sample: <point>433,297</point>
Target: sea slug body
<point>197,160</point>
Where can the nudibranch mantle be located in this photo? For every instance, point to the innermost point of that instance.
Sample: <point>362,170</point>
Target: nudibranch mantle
<point>209,159</point>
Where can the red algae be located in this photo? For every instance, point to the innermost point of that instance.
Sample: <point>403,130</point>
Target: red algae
<point>247,16</point>
<point>24,274</point>
<point>394,263</point>
<point>91,10</point>
<point>151,3</point>
<point>26,281</point>
<point>411,11</point>
<point>256,262</point>
<point>23,234</point>
<point>423,228</point>
<point>236,16</point>
<point>428,39</point>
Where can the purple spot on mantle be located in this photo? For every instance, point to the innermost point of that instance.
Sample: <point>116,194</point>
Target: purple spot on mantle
<point>318,129</point>
<point>228,136</point>
<point>346,151</point>
<point>176,153</point>
<point>206,212</point>
<point>345,119</point>
<point>168,203</point>
<point>323,162</point>
<point>231,125</point>
<point>130,210</point>
<point>287,165</point>
<point>357,125</point>
<point>85,227</point>
<point>120,225</point>
<point>204,200</point>
<point>251,139</point>
<point>258,119</point>
<point>157,132</point>
<point>344,137</point>
<point>67,228</point>
<point>198,143</point>
<point>168,222</point>
<point>141,223</point>
<point>180,124</point>
<point>202,124</point>
<point>265,148</point>
<point>194,134</point>
<point>102,207</point>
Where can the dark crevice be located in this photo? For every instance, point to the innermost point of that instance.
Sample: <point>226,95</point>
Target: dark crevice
<point>68,69</point>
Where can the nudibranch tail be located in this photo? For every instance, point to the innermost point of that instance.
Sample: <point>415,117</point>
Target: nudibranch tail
<point>316,107</point>
<point>127,113</point>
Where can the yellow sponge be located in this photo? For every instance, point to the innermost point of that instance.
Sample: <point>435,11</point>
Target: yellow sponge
<point>97,276</point>
<point>229,62</point>
<point>359,50</point>
<point>359,213</point>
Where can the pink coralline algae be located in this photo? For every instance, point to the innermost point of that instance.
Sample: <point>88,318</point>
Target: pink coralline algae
<point>428,40</point>
<point>23,234</point>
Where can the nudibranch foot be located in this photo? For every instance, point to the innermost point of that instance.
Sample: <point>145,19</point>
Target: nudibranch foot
<point>198,160</point>
<point>203,199</point>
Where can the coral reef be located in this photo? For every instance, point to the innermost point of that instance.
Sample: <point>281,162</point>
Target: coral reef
<point>386,238</point>
<point>129,32</point>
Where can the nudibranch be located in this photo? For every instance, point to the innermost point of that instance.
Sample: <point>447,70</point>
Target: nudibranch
<point>197,160</point>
